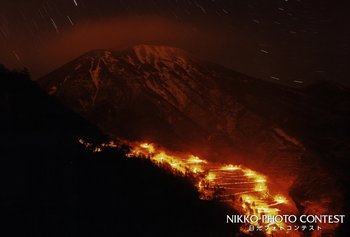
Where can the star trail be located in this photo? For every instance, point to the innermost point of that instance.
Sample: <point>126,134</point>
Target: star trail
<point>285,41</point>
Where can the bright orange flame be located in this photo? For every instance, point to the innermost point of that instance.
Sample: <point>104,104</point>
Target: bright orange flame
<point>148,147</point>
<point>249,173</point>
<point>280,199</point>
<point>230,168</point>
<point>261,187</point>
<point>210,177</point>
<point>195,159</point>
<point>260,180</point>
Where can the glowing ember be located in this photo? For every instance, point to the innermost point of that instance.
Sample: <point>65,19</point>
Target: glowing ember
<point>249,173</point>
<point>231,168</point>
<point>261,187</point>
<point>210,177</point>
<point>148,147</point>
<point>280,199</point>
<point>260,180</point>
<point>195,159</point>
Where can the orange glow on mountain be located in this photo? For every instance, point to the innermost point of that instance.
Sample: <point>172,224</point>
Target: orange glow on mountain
<point>245,190</point>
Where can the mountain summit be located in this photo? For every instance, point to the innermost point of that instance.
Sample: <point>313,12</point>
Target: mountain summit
<point>168,96</point>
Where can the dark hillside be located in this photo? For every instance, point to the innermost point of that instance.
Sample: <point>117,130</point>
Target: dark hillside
<point>52,186</point>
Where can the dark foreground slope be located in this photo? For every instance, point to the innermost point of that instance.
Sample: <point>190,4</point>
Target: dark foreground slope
<point>52,186</point>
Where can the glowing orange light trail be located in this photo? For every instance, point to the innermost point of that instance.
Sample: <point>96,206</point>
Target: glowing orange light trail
<point>244,189</point>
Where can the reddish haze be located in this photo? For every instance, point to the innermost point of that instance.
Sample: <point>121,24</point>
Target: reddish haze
<point>119,33</point>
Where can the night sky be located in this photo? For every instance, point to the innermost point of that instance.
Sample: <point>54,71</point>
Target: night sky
<point>286,41</point>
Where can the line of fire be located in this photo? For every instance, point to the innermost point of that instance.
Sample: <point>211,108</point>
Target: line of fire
<point>243,189</point>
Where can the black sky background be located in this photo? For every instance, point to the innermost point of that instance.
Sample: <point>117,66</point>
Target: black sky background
<point>286,41</point>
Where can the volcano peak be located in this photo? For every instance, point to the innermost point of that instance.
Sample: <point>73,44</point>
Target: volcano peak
<point>153,54</point>
<point>159,51</point>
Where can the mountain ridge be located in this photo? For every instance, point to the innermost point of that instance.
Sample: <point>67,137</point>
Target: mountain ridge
<point>184,103</point>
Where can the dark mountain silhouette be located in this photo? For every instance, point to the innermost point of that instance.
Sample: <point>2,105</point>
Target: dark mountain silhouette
<point>52,186</point>
<point>168,96</point>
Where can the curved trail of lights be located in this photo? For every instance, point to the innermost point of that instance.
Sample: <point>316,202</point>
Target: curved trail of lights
<point>246,190</point>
